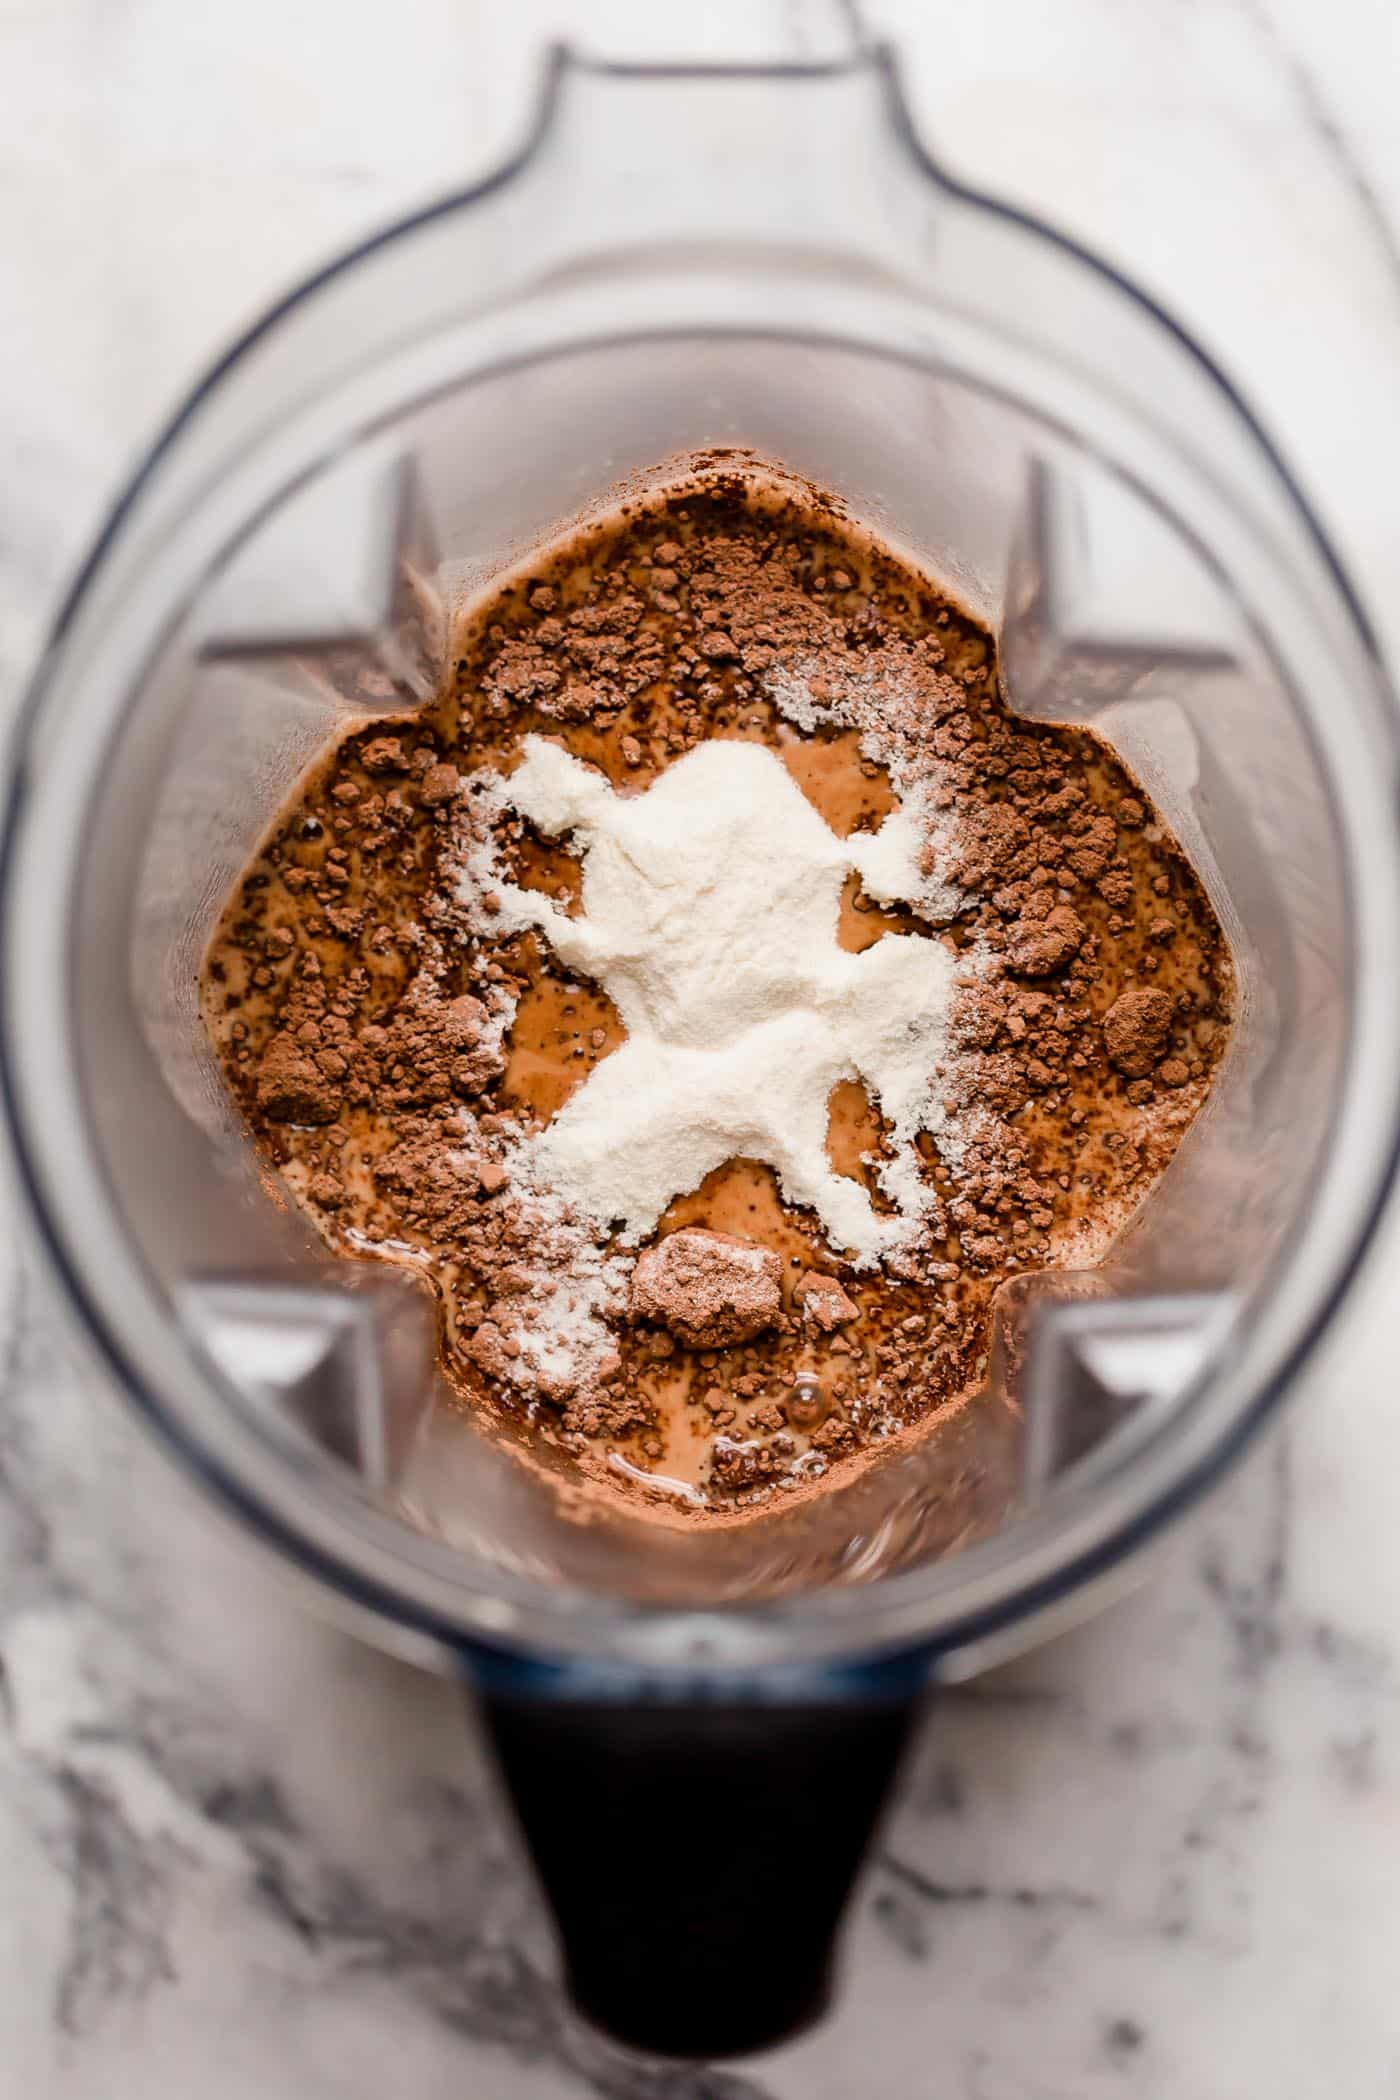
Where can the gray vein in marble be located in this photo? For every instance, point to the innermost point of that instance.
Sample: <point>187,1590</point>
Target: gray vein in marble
<point>1354,1660</point>
<point>1018,1897</point>
<point>903,1922</point>
<point>1251,1600</point>
<point>140,1783</point>
<point>26,1539</point>
<point>119,1934</point>
<point>851,15</point>
<point>486,1990</point>
<point>1334,141</point>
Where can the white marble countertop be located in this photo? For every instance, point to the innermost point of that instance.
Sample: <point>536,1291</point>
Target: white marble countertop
<point>240,1854</point>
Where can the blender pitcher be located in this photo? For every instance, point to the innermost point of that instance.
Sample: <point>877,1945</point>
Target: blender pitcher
<point>679,260</point>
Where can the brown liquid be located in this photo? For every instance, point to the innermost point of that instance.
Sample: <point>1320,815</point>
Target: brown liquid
<point>357,876</point>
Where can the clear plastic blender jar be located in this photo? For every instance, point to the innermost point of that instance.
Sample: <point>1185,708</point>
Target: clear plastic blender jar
<point>677,260</point>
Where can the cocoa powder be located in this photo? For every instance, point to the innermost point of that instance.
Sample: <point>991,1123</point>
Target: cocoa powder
<point>387,1056</point>
<point>1137,1029</point>
<point>708,1288</point>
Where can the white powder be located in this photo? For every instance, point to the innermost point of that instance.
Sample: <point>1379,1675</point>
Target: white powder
<point>814,696</point>
<point>709,915</point>
<point>561,1320</point>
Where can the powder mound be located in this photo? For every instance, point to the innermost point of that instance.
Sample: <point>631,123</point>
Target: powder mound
<point>988,843</point>
<point>1043,946</point>
<point>1136,1030</point>
<point>436,1048</point>
<point>707,1288</point>
<point>440,784</point>
<point>384,754</point>
<point>710,916</point>
<point>291,1089</point>
<point>824,1302</point>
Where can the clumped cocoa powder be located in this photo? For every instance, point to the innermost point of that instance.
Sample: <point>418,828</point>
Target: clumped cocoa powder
<point>823,1302</point>
<point>1137,1029</point>
<point>386,1052</point>
<point>708,1289</point>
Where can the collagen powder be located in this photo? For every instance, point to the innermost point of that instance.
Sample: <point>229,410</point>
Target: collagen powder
<point>710,906</point>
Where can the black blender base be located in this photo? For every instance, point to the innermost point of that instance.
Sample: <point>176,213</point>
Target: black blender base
<point>697,1857</point>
